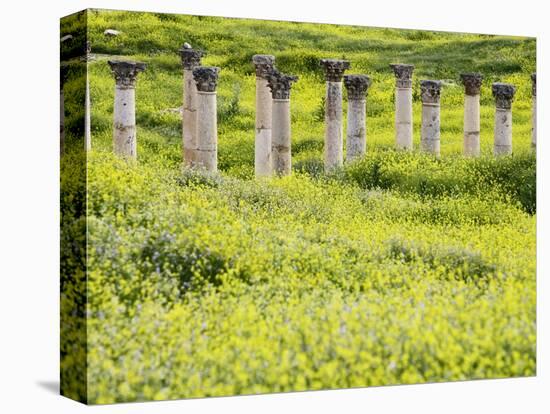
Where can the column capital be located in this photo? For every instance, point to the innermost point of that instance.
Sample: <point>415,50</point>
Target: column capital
<point>190,58</point>
<point>126,72</point>
<point>472,83</point>
<point>430,91</point>
<point>534,83</point>
<point>280,84</point>
<point>357,86</point>
<point>403,74</point>
<point>263,64</point>
<point>206,78</point>
<point>504,95</point>
<point>334,69</point>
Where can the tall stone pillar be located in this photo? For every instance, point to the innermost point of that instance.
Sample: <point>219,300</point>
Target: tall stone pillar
<point>262,158</point>
<point>190,59</point>
<point>403,106</point>
<point>472,89</point>
<point>62,80</point>
<point>534,115</point>
<point>280,85</point>
<point>206,80</point>
<point>124,133</point>
<point>334,142</point>
<point>87,104</point>
<point>356,137</point>
<point>430,133</point>
<point>504,95</point>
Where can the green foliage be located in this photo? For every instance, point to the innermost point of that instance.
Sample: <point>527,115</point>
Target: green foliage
<point>203,285</point>
<point>398,268</point>
<point>511,178</point>
<point>73,298</point>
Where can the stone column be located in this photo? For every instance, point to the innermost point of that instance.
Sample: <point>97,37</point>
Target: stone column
<point>403,106</point>
<point>472,89</point>
<point>206,80</point>
<point>334,142</point>
<point>87,109</point>
<point>62,79</point>
<point>534,109</point>
<point>190,59</point>
<point>430,133</point>
<point>356,137</point>
<point>262,157</point>
<point>280,85</point>
<point>124,134</point>
<point>504,94</point>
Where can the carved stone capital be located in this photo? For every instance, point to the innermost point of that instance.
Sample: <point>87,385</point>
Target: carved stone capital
<point>126,72</point>
<point>190,58</point>
<point>280,84</point>
<point>334,69</point>
<point>263,64</point>
<point>357,86</point>
<point>504,95</point>
<point>206,78</point>
<point>472,83</point>
<point>403,74</point>
<point>430,91</point>
<point>534,84</point>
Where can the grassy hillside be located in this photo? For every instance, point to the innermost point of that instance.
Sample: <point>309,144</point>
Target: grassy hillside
<point>399,268</point>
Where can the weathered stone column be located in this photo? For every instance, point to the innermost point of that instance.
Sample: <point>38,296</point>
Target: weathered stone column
<point>206,79</point>
<point>534,109</point>
<point>87,109</point>
<point>504,95</point>
<point>280,85</point>
<point>190,59</point>
<point>124,134</point>
<point>430,133</point>
<point>262,158</point>
<point>356,137</point>
<point>403,106</point>
<point>472,89</point>
<point>62,79</point>
<point>334,141</point>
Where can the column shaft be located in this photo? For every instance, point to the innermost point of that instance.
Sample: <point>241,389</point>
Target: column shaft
<point>471,126</point>
<point>334,134</point>
<point>263,150</point>
<point>189,118</point>
<point>207,131</point>
<point>281,136</point>
<point>503,131</point>
<point>334,145</point>
<point>124,132</point>
<point>280,85</point>
<point>124,114</point>
<point>504,95</point>
<point>403,118</point>
<point>430,133</point>
<point>356,139</point>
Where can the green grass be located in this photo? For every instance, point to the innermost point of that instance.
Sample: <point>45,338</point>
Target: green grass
<point>398,268</point>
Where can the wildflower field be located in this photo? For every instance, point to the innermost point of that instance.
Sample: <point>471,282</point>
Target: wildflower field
<point>398,268</point>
